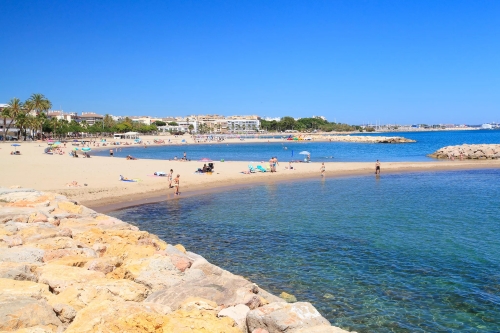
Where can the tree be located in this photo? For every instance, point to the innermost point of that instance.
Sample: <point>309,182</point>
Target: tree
<point>190,128</point>
<point>13,110</point>
<point>172,123</point>
<point>39,103</point>
<point>108,121</point>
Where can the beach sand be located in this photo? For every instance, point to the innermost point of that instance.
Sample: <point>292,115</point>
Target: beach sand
<point>34,169</point>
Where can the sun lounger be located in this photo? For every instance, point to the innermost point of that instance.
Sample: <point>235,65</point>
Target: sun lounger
<point>251,168</point>
<point>260,168</point>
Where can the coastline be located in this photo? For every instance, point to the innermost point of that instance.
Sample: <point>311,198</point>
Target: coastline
<point>99,186</point>
<point>66,268</point>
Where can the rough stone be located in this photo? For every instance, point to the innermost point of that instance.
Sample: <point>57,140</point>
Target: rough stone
<point>23,312</point>
<point>60,277</point>
<point>24,254</point>
<point>289,298</point>
<point>238,313</point>
<point>285,317</point>
<point>18,271</point>
<point>65,313</point>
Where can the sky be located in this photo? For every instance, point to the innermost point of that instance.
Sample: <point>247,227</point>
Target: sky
<point>351,61</point>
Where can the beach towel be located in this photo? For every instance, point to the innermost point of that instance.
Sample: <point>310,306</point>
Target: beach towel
<point>128,180</point>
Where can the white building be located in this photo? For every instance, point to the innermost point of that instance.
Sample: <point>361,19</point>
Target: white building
<point>243,125</point>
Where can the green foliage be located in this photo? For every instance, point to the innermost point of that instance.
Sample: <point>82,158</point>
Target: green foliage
<point>173,123</point>
<point>159,123</point>
<point>304,125</point>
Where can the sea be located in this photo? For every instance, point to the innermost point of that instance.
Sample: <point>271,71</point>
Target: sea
<point>412,252</point>
<point>427,143</point>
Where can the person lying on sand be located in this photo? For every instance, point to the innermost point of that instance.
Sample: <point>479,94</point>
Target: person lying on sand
<point>74,183</point>
<point>130,157</point>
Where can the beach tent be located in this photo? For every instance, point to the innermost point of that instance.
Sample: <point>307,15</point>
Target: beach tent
<point>131,135</point>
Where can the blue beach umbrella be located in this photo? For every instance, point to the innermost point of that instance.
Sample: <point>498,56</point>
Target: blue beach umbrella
<point>15,144</point>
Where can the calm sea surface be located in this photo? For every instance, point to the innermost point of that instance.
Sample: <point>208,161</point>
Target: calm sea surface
<point>427,143</point>
<point>402,253</point>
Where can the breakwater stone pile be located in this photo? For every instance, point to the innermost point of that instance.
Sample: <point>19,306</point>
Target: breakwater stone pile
<point>471,152</point>
<point>369,139</point>
<point>66,268</point>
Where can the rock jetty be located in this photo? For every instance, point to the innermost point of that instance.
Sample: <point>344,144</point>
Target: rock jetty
<point>470,152</point>
<point>367,139</point>
<point>66,268</point>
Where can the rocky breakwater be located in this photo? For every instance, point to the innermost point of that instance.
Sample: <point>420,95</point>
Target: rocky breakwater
<point>66,268</point>
<point>369,139</point>
<point>470,152</point>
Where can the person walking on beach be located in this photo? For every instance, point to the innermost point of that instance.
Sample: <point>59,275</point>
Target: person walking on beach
<point>185,156</point>
<point>377,168</point>
<point>322,169</point>
<point>176,184</point>
<point>170,177</point>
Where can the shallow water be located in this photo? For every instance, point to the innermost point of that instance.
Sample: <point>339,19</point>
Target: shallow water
<point>427,143</point>
<point>400,253</point>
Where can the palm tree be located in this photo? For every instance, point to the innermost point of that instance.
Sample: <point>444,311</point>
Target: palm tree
<point>38,122</point>
<point>13,110</point>
<point>39,103</point>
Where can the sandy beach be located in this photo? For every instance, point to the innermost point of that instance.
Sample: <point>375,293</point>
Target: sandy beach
<point>99,184</point>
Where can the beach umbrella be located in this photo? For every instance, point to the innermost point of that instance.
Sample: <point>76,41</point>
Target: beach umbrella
<point>75,140</point>
<point>205,160</point>
<point>75,148</point>
<point>305,153</point>
<point>15,144</point>
<point>86,149</point>
<point>57,143</point>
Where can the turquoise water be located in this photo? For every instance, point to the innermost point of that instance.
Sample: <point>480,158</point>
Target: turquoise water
<point>400,253</point>
<point>427,143</point>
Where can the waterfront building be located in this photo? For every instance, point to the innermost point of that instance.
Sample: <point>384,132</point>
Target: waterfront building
<point>90,117</point>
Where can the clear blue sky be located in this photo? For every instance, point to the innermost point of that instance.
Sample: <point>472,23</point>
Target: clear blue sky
<point>353,61</point>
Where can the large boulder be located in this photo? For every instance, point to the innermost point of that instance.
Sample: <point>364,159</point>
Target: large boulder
<point>21,254</point>
<point>18,271</point>
<point>285,317</point>
<point>215,284</point>
<point>80,295</point>
<point>13,289</point>
<point>238,313</point>
<point>24,311</point>
<point>60,277</point>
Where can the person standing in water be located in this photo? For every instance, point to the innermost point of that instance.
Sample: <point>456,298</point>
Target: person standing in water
<point>377,168</point>
<point>170,178</point>
<point>322,169</point>
<point>177,185</point>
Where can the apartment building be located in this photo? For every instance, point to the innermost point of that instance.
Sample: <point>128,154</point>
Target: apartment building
<point>90,118</point>
<point>61,115</point>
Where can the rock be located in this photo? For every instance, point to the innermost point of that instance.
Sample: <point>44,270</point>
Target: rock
<point>61,253</point>
<point>79,296</point>
<point>196,303</point>
<point>70,207</point>
<point>181,263</point>
<point>285,317</point>
<point>120,316</point>
<point>104,265</point>
<point>24,254</point>
<point>18,271</point>
<point>23,312</point>
<point>37,217</point>
<point>60,277</point>
<point>180,248</point>
<point>11,241</point>
<point>289,298</point>
<point>238,313</point>
<point>65,313</point>
<point>223,288</point>
<point>14,288</point>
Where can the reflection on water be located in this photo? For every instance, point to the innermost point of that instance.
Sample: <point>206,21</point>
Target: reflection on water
<point>395,253</point>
